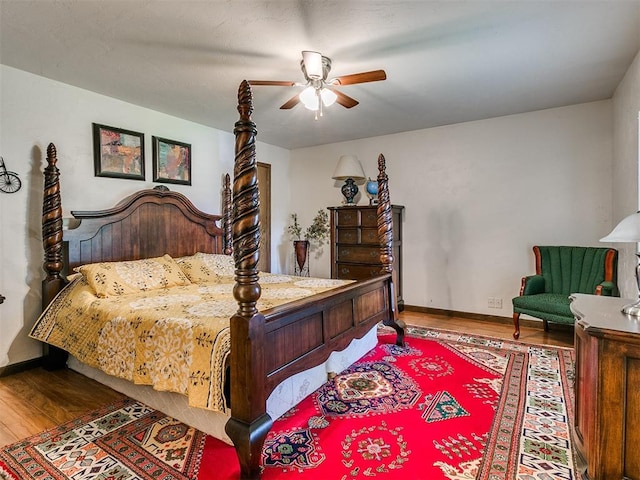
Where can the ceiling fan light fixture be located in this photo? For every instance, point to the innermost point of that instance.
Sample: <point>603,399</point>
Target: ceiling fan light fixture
<point>328,97</point>
<point>309,98</point>
<point>319,92</point>
<point>312,62</point>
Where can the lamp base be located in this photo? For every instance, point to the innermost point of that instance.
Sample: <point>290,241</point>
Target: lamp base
<point>349,190</point>
<point>633,309</point>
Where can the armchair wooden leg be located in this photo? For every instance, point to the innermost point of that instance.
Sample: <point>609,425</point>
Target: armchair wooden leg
<point>545,325</point>
<point>516,323</point>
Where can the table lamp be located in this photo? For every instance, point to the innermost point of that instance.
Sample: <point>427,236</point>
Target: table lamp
<point>350,170</point>
<point>628,231</point>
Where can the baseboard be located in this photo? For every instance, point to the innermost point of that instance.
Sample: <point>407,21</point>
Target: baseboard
<point>20,367</point>
<point>524,322</point>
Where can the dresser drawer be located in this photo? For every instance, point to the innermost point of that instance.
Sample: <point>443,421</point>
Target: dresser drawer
<point>369,218</point>
<point>357,272</point>
<point>348,217</point>
<point>369,236</point>
<point>348,235</point>
<point>348,253</point>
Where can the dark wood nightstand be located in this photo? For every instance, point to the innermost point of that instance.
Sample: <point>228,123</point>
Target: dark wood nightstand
<point>607,388</point>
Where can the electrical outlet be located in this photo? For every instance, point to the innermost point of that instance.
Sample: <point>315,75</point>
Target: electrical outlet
<point>491,302</point>
<point>497,302</point>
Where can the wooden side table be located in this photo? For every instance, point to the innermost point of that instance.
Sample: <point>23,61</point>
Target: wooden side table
<point>607,388</point>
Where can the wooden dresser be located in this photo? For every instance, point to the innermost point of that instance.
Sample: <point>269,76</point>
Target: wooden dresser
<point>607,388</point>
<point>355,251</point>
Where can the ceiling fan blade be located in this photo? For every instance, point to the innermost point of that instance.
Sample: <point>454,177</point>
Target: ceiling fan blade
<point>345,100</point>
<point>272,83</point>
<point>364,77</point>
<point>292,102</point>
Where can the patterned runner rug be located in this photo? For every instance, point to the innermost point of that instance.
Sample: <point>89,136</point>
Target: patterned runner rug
<point>449,406</point>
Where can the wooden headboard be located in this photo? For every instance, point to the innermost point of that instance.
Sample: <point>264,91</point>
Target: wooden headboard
<point>148,223</point>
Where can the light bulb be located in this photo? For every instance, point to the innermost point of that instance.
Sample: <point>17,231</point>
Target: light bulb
<point>328,97</point>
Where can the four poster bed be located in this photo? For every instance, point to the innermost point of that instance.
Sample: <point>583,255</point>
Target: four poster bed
<point>266,342</point>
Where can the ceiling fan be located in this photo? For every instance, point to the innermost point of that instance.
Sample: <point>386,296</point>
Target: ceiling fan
<point>319,90</point>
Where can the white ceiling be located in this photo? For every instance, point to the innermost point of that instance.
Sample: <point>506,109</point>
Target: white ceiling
<point>446,61</point>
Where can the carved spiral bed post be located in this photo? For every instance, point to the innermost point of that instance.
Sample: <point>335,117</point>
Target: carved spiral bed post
<point>385,234</point>
<point>249,423</point>
<point>226,219</point>
<point>52,243</point>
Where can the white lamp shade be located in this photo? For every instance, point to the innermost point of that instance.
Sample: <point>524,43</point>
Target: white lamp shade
<point>309,98</point>
<point>628,230</point>
<point>348,167</point>
<point>328,97</point>
<point>312,64</point>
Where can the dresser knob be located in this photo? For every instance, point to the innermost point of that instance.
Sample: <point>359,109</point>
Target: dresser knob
<point>344,270</point>
<point>373,254</point>
<point>344,253</point>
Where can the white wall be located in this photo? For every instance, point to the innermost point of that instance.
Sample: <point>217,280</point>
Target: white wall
<point>626,110</point>
<point>478,196</point>
<point>36,111</point>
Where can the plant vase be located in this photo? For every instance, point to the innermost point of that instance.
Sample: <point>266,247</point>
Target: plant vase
<point>301,251</point>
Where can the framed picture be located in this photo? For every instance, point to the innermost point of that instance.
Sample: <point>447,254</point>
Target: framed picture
<point>118,153</point>
<point>171,161</point>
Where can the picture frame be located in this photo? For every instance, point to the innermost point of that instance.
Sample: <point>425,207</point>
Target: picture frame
<point>171,161</point>
<point>118,153</point>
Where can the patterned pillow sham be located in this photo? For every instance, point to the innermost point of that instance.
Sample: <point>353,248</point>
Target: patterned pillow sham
<point>207,267</point>
<point>121,278</point>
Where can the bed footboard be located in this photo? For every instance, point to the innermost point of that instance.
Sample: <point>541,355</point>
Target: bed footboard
<point>249,422</point>
<point>267,348</point>
<point>385,236</point>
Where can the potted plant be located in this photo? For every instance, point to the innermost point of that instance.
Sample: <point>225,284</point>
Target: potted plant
<point>317,233</point>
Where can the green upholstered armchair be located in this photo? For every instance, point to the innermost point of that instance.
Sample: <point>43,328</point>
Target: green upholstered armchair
<point>561,271</point>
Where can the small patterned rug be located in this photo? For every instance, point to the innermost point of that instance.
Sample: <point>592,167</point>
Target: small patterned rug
<point>449,406</point>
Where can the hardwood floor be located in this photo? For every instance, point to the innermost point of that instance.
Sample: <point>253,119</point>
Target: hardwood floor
<point>37,400</point>
<point>558,335</point>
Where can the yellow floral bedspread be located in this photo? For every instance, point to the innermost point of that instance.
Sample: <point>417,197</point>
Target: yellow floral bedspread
<point>176,339</point>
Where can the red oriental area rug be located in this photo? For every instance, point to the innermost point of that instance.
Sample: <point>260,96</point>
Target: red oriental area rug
<point>448,406</point>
